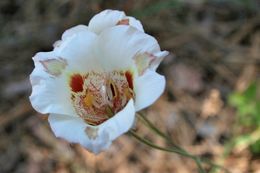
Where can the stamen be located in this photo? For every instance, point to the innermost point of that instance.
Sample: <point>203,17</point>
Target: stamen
<point>112,89</point>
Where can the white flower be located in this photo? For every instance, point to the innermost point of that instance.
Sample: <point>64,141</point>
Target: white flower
<point>96,78</point>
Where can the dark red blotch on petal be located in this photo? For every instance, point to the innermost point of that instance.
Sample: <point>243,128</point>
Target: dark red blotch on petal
<point>129,79</point>
<point>76,83</point>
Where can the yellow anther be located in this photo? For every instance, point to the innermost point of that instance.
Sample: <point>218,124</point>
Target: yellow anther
<point>88,100</point>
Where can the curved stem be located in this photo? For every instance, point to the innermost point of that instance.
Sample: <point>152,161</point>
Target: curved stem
<point>181,151</point>
<point>150,125</point>
<point>147,142</point>
<point>150,144</point>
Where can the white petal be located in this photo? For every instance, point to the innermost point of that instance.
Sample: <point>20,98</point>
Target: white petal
<point>69,128</point>
<point>40,72</point>
<point>148,88</point>
<point>74,30</point>
<point>144,61</point>
<point>77,49</point>
<point>121,122</point>
<point>135,23</point>
<point>104,20</point>
<point>110,18</point>
<point>41,56</point>
<point>70,32</point>
<point>117,46</point>
<point>74,129</point>
<point>50,94</point>
<point>159,57</point>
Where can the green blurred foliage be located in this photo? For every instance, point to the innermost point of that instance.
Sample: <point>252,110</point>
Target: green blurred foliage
<point>255,148</point>
<point>247,104</point>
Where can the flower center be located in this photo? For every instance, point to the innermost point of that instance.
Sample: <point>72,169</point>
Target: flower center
<point>97,97</point>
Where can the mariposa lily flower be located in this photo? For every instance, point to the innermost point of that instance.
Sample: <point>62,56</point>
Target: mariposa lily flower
<point>96,78</point>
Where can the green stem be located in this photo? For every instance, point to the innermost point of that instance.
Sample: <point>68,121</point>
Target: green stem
<point>150,144</point>
<point>150,125</point>
<point>181,151</point>
<point>147,142</point>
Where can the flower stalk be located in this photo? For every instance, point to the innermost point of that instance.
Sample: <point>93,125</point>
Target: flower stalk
<point>174,147</point>
<point>171,150</point>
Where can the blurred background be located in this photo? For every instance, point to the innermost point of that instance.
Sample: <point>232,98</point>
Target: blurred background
<point>210,107</point>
